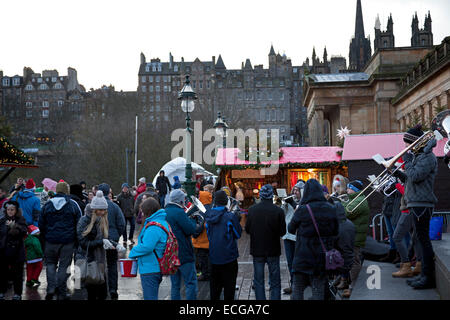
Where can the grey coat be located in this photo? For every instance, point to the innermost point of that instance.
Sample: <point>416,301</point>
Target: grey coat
<point>346,237</point>
<point>421,172</point>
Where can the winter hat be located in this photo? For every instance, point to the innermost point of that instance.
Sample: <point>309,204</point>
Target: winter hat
<point>300,184</point>
<point>355,185</point>
<point>104,187</point>
<point>220,198</point>
<point>50,184</point>
<point>142,180</point>
<point>99,201</point>
<point>177,196</point>
<point>125,185</point>
<point>33,229</point>
<point>205,197</point>
<point>30,184</point>
<point>413,134</point>
<point>266,192</point>
<point>324,188</point>
<point>76,189</point>
<point>62,187</point>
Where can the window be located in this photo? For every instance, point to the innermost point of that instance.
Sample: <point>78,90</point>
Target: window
<point>283,115</point>
<point>157,78</point>
<point>153,67</point>
<point>150,108</point>
<point>45,113</point>
<point>200,84</point>
<point>143,79</point>
<point>29,113</point>
<point>16,81</point>
<point>43,86</point>
<point>45,104</point>
<point>257,115</point>
<point>158,108</point>
<point>268,115</point>
<point>144,89</point>
<point>60,103</point>
<point>166,117</point>
<point>157,98</point>
<point>165,78</point>
<point>274,115</point>
<point>219,84</point>
<point>5,81</point>
<point>157,89</point>
<point>53,79</point>
<point>150,88</point>
<point>166,88</point>
<point>193,84</point>
<point>159,67</point>
<point>208,84</point>
<point>175,68</point>
<point>269,95</point>
<point>147,68</point>
<point>58,86</point>
<point>150,78</point>
<point>144,108</point>
<point>29,104</point>
<point>29,87</point>
<point>39,80</point>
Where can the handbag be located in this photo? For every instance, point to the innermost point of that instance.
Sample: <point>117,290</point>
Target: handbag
<point>333,258</point>
<point>90,271</point>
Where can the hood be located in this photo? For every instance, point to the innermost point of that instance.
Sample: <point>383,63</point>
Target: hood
<point>27,193</point>
<point>215,214</point>
<point>58,202</point>
<point>430,145</point>
<point>205,197</point>
<point>312,192</point>
<point>77,190</point>
<point>340,211</point>
<point>158,215</point>
<point>175,178</point>
<point>104,187</point>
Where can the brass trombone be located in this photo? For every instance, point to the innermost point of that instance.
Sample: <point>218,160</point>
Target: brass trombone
<point>384,177</point>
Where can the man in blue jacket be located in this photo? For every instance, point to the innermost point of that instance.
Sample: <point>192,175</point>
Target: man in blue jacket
<point>223,230</point>
<point>29,203</point>
<point>183,228</point>
<point>58,226</point>
<point>116,223</point>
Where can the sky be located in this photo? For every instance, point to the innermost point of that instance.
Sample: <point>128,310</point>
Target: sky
<point>103,39</point>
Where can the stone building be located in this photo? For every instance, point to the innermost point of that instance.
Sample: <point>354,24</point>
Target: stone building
<point>250,97</point>
<point>384,39</point>
<point>360,50</point>
<point>421,37</point>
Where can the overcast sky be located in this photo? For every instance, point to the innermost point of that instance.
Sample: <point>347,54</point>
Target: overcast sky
<point>103,39</point>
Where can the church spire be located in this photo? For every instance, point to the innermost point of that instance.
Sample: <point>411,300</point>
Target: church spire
<point>359,24</point>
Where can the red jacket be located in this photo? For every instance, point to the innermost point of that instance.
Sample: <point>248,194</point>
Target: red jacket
<point>139,190</point>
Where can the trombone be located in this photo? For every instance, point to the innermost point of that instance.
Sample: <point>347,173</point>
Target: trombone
<point>384,177</point>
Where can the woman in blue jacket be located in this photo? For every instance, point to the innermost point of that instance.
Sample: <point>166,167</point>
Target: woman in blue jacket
<point>151,242</point>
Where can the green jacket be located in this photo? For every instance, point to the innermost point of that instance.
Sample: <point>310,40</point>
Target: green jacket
<point>33,248</point>
<point>359,217</point>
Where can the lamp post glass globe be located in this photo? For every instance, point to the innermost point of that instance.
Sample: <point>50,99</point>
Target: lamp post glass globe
<point>187,105</point>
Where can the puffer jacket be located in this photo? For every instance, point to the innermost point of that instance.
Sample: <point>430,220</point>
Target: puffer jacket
<point>309,256</point>
<point>201,242</point>
<point>30,205</point>
<point>359,217</point>
<point>346,237</point>
<point>12,247</point>
<point>421,173</point>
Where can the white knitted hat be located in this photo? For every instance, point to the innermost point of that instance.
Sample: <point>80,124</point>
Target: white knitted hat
<point>99,201</point>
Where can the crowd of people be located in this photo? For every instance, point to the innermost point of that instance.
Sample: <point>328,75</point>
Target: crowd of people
<point>179,239</point>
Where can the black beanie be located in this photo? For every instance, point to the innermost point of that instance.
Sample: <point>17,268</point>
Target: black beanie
<point>413,134</point>
<point>220,198</point>
<point>355,185</point>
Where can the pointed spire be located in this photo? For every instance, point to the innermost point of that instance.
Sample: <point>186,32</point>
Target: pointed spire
<point>359,23</point>
<point>220,64</point>
<point>377,22</point>
<point>248,65</point>
<point>272,52</point>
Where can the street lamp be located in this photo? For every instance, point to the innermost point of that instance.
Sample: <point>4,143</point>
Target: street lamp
<point>187,97</point>
<point>221,128</point>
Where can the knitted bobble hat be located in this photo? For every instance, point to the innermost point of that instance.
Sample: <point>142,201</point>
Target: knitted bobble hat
<point>99,201</point>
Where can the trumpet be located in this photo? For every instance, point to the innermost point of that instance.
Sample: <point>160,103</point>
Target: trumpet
<point>381,181</point>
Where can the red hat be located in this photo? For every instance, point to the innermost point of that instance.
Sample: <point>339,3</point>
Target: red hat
<point>33,229</point>
<point>61,180</point>
<point>30,184</point>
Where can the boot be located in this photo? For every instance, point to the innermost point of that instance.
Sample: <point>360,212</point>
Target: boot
<point>287,290</point>
<point>417,269</point>
<point>426,282</point>
<point>390,256</point>
<point>397,258</point>
<point>343,284</point>
<point>412,280</point>
<point>404,272</point>
<point>347,293</point>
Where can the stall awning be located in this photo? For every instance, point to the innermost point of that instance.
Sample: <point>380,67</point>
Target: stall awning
<point>10,156</point>
<point>229,156</point>
<point>364,146</point>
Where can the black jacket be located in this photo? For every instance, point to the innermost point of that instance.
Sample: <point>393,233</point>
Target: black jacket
<point>12,248</point>
<point>346,237</point>
<point>309,256</point>
<point>126,203</point>
<point>265,224</point>
<point>162,183</point>
<point>79,201</point>
<point>391,207</point>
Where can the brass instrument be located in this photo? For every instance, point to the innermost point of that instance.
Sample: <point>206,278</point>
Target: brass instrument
<point>441,123</point>
<point>381,181</point>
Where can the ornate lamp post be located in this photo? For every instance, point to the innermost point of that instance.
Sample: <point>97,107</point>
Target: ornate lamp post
<point>187,97</point>
<point>221,128</point>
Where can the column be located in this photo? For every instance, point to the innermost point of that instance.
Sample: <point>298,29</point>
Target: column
<point>319,126</point>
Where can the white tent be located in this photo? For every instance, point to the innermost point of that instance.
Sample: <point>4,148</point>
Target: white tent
<point>177,167</point>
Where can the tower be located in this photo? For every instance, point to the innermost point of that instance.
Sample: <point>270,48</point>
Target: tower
<point>421,37</point>
<point>360,50</point>
<point>384,39</point>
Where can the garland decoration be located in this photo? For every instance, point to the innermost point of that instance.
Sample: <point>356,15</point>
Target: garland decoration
<point>9,154</point>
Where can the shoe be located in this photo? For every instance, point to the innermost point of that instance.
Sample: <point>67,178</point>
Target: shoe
<point>417,269</point>
<point>343,284</point>
<point>114,296</point>
<point>29,284</point>
<point>49,296</point>
<point>347,293</point>
<point>287,290</point>
<point>390,256</point>
<point>237,287</point>
<point>426,282</point>
<point>412,280</point>
<point>17,297</point>
<point>132,241</point>
<point>404,272</point>
<point>397,259</point>
<point>36,283</point>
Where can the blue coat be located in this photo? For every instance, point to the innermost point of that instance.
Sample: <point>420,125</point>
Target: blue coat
<point>30,205</point>
<point>183,228</point>
<point>223,230</point>
<point>59,219</point>
<point>150,239</point>
<point>116,221</point>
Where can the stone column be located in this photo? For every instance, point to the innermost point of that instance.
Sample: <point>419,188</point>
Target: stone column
<point>320,132</point>
<point>344,116</point>
<point>430,109</point>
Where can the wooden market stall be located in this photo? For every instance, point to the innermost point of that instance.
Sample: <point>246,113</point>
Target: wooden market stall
<point>294,163</point>
<point>12,157</point>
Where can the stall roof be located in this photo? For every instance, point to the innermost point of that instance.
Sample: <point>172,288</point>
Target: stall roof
<point>229,156</point>
<point>364,146</point>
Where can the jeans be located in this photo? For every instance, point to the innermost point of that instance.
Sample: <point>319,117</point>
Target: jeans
<point>202,258</point>
<point>111,261</point>
<point>390,231</point>
<point>405,225</point>
<point>189,274</point>
<point>274,277</point>
<point>289,248</point>
<point>132,221</point>
<point>11,270</point>
<point>223,276</point>
<point>58,256</point>
<point>150,285</point>
<point>302,280</point>
<point>422,218</point>
<point>356,266</point>
<point>162,197</point>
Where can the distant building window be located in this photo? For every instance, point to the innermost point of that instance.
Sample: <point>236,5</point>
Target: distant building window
<point>166,117</point>
<point>16,81</point>
<point>144,89</point>
<point>29,113</point>
<point>157,89</point>
<point>29,87</point>
<point>58,86</point>
<point>60,103</point>
<point>158,108</point>
<point>200,84</point>
<point>208,84</point>
<point>219,84</point>
<point>158,78</point>
<point>153,67</point>
<point>150,88</point>
<point>150,78</point>
<point>43,86</point>
<point>423,42</point>
<point>166,88</point>
<point>193,84</point>
<point>159,67</point>
<point>45,113</point>
<point>175,68</point>
<point>29,104</point>
<point>5,82</point>
<point>147,68</point>
<point>39,80</point>
<point>157,98</point>
<point>143,79</point>
<point>165,78</point>
<point>45,104</point>
<point>53,79</point>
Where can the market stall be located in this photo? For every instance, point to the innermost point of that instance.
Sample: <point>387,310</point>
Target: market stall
<point>294,163</point>
<point>12,157</point>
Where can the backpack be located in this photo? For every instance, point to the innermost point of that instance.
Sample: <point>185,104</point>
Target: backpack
<point>169,262</point>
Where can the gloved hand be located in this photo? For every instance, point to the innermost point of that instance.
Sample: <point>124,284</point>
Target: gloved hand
<point>408,156</point>
<point>120,248</point>
<point>107,244</point>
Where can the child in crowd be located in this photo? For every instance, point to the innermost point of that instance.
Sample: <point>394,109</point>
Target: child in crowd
<point>34,256</point>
